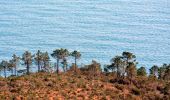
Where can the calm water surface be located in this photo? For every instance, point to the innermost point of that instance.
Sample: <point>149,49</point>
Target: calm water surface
<point>100,29</point>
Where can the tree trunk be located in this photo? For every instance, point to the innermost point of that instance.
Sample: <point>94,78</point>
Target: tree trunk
<point>5,72</point>
<point>38,66</point>
<point>66,67</point>
<point>75,67</point>
<point>75,62</point>
<point>28,69</point>
<point>15,71</point>
<point>12,71</point>
<point>117,72</point>
<point>57,66</point>
<point>44,66</point>
<point>41,67</point>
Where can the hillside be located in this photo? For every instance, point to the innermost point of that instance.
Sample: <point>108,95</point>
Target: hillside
<point>71,86</point>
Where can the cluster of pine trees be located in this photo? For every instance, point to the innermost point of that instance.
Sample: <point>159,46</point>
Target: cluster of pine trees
<point>41,59</point>
<point>123,66</point>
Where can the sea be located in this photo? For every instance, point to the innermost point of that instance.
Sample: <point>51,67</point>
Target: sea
<point>99,29</point>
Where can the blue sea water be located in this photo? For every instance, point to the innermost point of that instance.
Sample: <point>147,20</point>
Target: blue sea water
<point>100,29</point>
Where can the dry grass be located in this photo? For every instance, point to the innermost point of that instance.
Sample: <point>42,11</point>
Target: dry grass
<point>70,86</point>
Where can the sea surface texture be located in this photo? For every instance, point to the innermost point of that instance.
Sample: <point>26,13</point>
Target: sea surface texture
<point>100,29</point>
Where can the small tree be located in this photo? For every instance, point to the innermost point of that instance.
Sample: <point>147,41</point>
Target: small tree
<point>27,59</point>
<point>141,71</point>
<point>14,62</point>
<point>45,59</point>
<point>94,68</point>
<point>167,73</point>
<point>162,71</point>
<point>38,59</point>
<point>76,56</point>
<point>117,64</point>
<point>65,65</point>
<point>11,67</point>
<point>128,57</point>
<point>4,64</point>
<point>131,71</point>
<point>60,54</point>
<point>154,71</point>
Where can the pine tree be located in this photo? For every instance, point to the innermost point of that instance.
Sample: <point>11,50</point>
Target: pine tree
<point>27,58</point>
<point>141,71</point>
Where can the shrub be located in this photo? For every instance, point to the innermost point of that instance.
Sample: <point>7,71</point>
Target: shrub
<point>167,89</point>
<point>120,81</point>
<point>119,86</point>
<point>135,91</point>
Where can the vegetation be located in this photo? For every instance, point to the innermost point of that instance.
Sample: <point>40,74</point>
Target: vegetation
<point>27,59</point>
<point>141,72</point>
<point>38,59</point>
<point>121,79</point>
<point>60,54</point>
<point>76,56</point>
